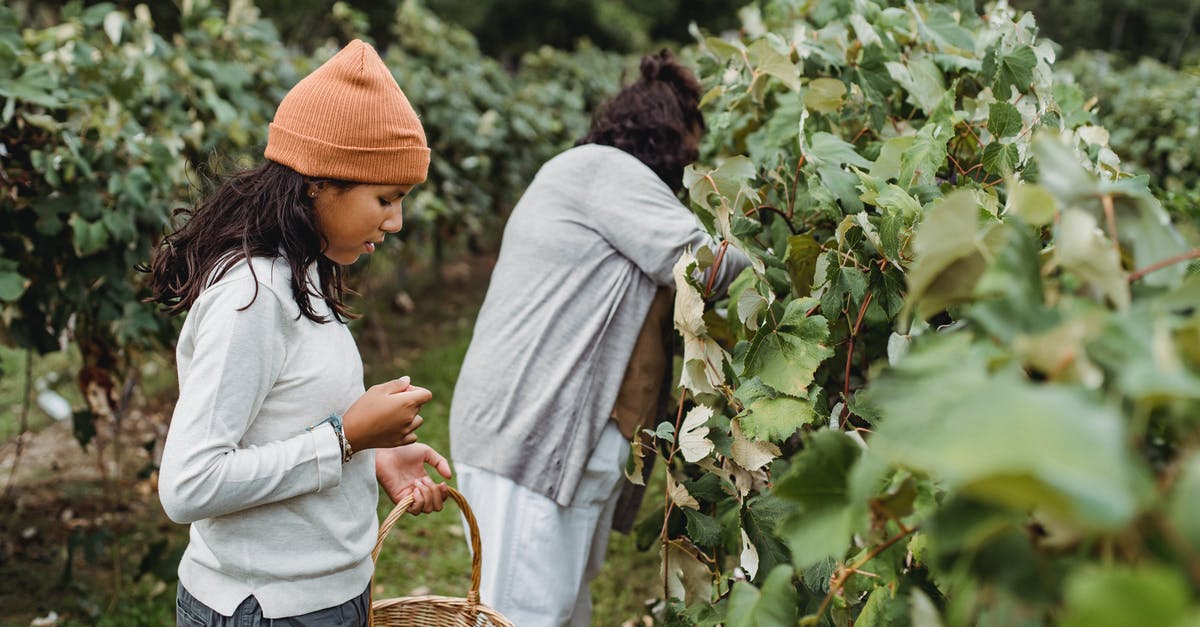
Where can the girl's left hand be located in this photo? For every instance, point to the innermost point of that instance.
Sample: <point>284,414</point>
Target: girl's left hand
<point>401,472</point>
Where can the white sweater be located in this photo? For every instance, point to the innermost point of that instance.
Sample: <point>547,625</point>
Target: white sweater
<point>274,512</point>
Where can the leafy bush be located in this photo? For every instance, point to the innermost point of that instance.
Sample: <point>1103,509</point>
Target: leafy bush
<point>108,127</point>
<point>960,383</point>
<point>489,131</point>
<point>1150,111</point>
<point>102,119</point>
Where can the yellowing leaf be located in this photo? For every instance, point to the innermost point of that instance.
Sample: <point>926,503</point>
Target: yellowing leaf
<point>688,579</point>
<point>751,454</point>
<point>748,559</point>
<point>689,305</point>
<point>767,60</point>
<point>703,364</point>
<point>679,494</point>
<point>825,95</point>
<point>693,436</point>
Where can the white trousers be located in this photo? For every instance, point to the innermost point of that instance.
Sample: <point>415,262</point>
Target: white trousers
<point>539,557</point>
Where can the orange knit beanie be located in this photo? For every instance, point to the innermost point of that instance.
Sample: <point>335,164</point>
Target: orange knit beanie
<point>349,120</point>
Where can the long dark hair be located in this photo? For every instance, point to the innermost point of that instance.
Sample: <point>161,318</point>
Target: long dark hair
<point>262,212</point>
<point>652,118</point>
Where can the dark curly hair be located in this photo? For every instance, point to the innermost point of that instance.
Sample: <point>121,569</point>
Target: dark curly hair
<point>653,117</point>
<point>262,212</point>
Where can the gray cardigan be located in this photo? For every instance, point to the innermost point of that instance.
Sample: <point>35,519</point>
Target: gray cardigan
<point>583,253</point>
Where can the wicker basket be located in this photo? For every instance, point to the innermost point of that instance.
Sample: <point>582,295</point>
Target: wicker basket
<point>436,611</point>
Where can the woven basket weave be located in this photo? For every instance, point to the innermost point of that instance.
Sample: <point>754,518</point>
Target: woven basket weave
<point>436,611</point>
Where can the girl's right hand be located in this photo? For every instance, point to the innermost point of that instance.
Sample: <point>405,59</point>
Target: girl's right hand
<point>385,416</point>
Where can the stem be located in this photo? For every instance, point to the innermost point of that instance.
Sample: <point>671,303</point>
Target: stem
<point>957,166</point>
<point>844,574</point>
<point>667,505</point>
<point>1110,217</point>
<point>795,192</point>
<point>862,310</point>
<point>785,216</point>
<point>712,272</point>
<point>971,130</point>
<point>1182,546</point>
<point>23,421</point>
<point>1191,254</point>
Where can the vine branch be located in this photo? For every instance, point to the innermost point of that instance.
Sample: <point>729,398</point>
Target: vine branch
<point>844,573</point>
<point>1191,254</point>
<point>862,310</point>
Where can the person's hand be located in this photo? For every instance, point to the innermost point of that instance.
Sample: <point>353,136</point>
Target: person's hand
<point>401,472</point>
<point>385,416</point>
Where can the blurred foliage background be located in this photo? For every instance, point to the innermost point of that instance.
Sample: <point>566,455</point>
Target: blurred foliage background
<point>506,29</point>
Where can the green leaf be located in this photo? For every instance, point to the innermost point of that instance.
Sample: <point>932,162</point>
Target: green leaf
<point>883,609</point>
<point>948,255</point>
<point>1121,596</point>
<point>1185,494</point>
<point>12,284</point>
<point>1014,69</point>
<point>1033,203</point>
<point>945,29</point>
<point>824,95</point>
<point>922,79</point>
<point>786,354</point>
<point>760,517</point>
<point>921,162</point>
<point>816,483</point>
<point>828,149</point>
<point>89,237</point>
<point>1003,120</point>
<point>703,529</point>
<point>1001,158</point>
<point>887,165</point>
<point>1087,253</point>
<point>843,281</point>
<point>775,418</point>
<point>801,259</point>
<point>707,487</point>
<point>765,59</point>
<point>774,605</point>
<point>1005,441</point>
<point>726,181</point>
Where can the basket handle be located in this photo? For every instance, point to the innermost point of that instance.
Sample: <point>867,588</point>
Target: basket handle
<point>476,544</point>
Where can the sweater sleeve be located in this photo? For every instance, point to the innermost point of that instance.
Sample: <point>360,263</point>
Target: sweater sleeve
<point>236,359</point>
<point>643,220</point>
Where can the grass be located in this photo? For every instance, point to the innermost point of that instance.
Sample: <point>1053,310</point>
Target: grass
<point>54,371</point>
<point>428,554</point>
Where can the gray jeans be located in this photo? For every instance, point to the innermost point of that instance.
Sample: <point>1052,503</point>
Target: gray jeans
<point>190,612</point>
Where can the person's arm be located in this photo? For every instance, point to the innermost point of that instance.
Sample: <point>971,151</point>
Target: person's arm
<point>236,359</point>
<point>643,220</point>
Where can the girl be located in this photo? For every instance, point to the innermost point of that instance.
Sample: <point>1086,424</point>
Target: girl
<point>274,447</point>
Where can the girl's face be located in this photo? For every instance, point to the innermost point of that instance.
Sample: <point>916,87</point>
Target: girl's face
<point>355,219</point>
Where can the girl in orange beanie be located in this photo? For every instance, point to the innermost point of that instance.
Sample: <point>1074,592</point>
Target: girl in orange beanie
<point>275,448</point>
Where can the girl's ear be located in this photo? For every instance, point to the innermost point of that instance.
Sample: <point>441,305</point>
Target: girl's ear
<point>314,188</point>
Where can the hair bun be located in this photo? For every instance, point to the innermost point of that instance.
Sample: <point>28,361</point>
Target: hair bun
<point>662,66</point>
